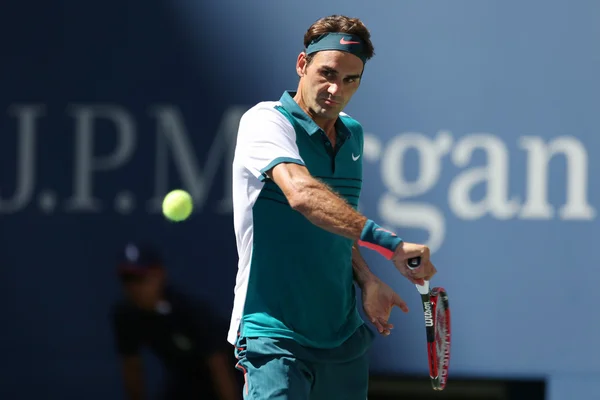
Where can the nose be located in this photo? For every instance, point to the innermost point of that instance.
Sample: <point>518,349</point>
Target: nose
<point>334,89</point>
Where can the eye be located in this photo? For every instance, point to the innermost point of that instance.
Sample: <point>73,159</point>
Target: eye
<point>328,74</point>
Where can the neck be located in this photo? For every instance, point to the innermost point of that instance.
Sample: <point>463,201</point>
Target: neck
<point>327,124</point>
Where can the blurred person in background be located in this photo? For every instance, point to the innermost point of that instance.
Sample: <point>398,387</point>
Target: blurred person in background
<point>182,332</point>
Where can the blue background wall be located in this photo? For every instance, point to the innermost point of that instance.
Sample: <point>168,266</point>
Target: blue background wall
<point>481,121</point>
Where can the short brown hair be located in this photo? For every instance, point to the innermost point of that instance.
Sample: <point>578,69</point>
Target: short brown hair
<point>342,24</point>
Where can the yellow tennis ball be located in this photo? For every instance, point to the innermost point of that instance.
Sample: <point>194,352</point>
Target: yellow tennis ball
<point>177,205</point>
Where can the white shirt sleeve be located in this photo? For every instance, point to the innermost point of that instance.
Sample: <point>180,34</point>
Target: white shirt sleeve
<point>265,138</point>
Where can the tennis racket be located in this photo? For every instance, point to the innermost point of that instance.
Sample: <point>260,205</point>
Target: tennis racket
<point>437,328</point>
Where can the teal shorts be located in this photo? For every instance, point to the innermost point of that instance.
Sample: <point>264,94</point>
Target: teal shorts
<point>281,369</point>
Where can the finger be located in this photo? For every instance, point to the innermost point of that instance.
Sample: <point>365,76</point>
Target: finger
<point>377,325</point>
<point>426,255</point>
<point>410,250</point>
<point>386,325</point>
<point>417,281</point>
<point>431,271</point>
<point>417,250</point>
<point>398,302</point>
<point>386,328</point>
<point>419,272</point>
<point>415,271</point>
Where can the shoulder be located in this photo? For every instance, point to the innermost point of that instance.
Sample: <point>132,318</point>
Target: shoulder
<point>192,305</point>
<point>353,125</point>
<point>265,114</point>
<point>177,297</point>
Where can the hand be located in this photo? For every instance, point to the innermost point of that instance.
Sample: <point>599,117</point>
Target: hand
<point>378,300</point>
<point>406,250</point>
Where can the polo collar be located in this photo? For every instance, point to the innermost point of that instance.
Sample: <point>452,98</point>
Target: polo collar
<point>305,121</point>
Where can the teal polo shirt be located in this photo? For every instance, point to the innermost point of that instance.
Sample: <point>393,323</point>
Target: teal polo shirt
<point>300,284</point>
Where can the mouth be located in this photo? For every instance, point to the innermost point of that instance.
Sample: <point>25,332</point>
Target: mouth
<point>330,102</point>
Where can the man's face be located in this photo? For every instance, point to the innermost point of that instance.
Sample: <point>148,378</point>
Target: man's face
<point>144,290</point>
<point>328,83</point>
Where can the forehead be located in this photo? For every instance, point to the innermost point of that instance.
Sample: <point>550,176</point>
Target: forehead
<point>343,62</point>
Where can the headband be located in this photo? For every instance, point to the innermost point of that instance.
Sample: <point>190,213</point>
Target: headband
<point>338,41</point>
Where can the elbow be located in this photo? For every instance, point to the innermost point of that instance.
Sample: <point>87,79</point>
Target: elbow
<point>298,201</point>
<point>299,196</point>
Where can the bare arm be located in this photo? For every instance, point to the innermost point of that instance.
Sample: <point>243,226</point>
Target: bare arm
<point>223,376</point>
<point>319,204</point>
<point>360,269</point>
<point>325,209</point>
<point>133,377</point>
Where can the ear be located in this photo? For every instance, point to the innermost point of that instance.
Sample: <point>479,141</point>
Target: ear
<point>301,64</point>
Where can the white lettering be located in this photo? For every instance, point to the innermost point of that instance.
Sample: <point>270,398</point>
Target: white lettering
<point>430,153</point>
<point>410,198</point>
<point>172,134</point>
<point>411,214</point>
<point>539,153</point>
<point>396,212</point>
<point>428,315</point>
<point>85,161</point>
<point>27,116</point>
<point>492,180</point>
<point>494,174</point>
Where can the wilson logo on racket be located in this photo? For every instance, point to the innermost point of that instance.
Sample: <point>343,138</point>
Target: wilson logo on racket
<point>428,315</point>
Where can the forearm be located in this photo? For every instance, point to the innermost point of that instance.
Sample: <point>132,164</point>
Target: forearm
<point>327,210</point>
<point>360,269</point>
<point>133,378</point>
<point>134,392</point>
<point>324,208</point>
<point>224,380</point>
<point>321,206</point>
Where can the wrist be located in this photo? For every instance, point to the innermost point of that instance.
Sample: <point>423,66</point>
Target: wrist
<point>364,276</point>
<point>379,239</point>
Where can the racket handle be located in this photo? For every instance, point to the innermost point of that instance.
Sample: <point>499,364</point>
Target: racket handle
<point>413,263</point>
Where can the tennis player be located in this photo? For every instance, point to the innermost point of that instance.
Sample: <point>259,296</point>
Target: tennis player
<point>297,178</point>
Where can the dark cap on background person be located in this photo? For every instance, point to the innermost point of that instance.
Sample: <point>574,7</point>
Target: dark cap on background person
<point>138,259</point>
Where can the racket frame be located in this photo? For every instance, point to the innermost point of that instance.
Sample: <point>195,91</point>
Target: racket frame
<point>430,299</point>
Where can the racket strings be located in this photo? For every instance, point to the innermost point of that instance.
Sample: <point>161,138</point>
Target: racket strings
<point>441,330</point>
